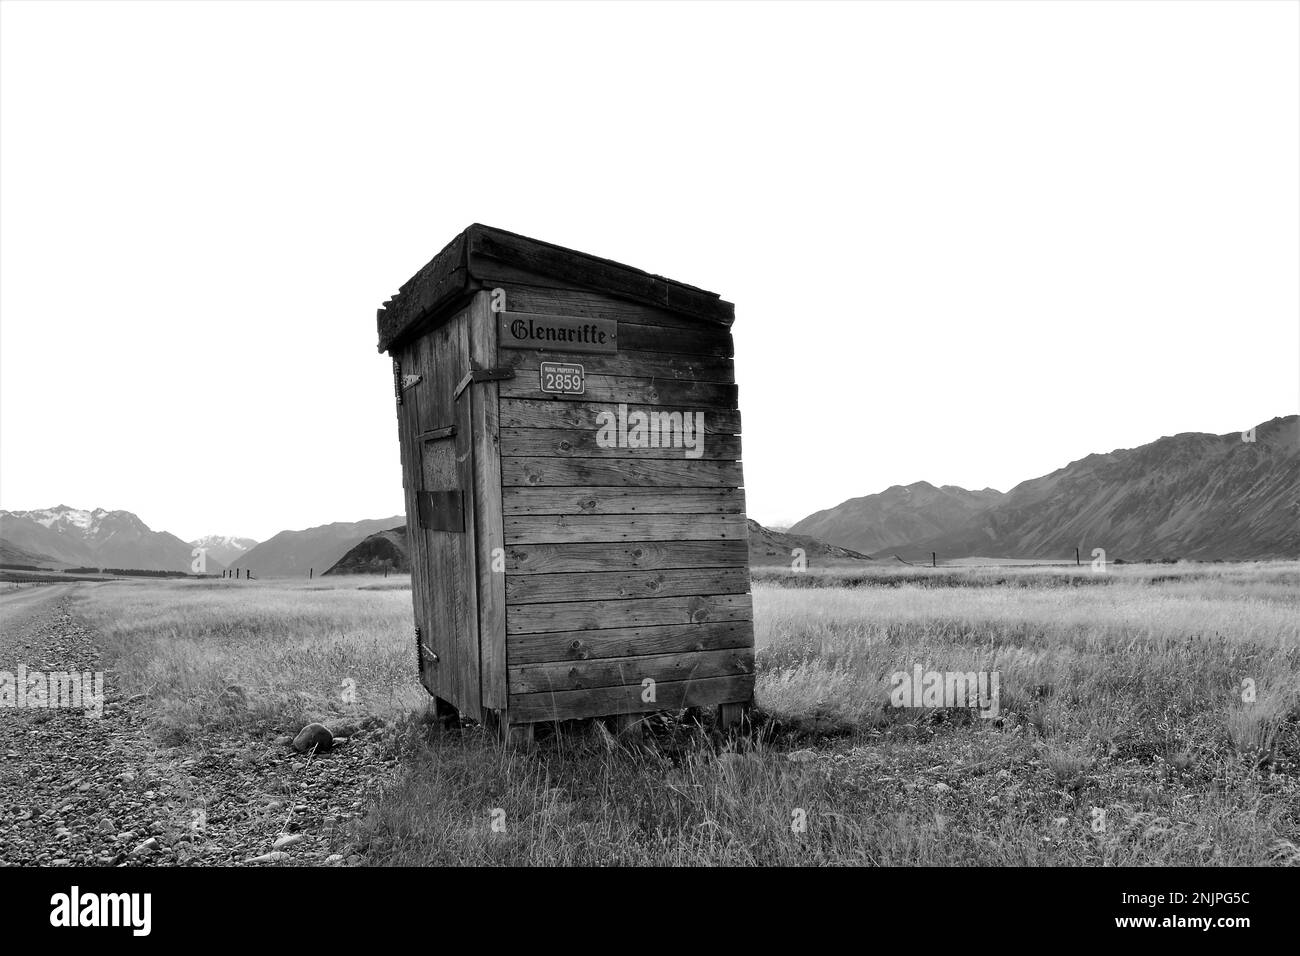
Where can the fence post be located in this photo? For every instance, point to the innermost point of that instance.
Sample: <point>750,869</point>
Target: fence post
<point>1076,557</point>
<point>310,573</point>
<point>934,560</point>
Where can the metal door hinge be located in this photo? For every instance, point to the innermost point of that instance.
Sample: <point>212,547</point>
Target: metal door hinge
<point>402,382</point>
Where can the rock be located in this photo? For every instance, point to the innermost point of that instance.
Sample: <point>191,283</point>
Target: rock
<point>233,697</point>
<point>801,756</point>
<point>126,836</point>
<point>284,741</point>
<point>286,839</point>
<point>941,788</point>
<point>313,736</point>
<point>107,826</point>
<point>339,742</point>
<point>126,776</point>
<point>334,858</point>
<point>147,848</point>
<point>275,856</point>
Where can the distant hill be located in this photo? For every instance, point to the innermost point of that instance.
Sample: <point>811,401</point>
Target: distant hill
<point>225,548</point>
<point>293,553</point>
<point>376,553</point>
<point>1192,495</point>
<point>11,554</point>
<point>386,550</point>
<point>767,546</point>
<point>98,538</point>
<point>896,516</point>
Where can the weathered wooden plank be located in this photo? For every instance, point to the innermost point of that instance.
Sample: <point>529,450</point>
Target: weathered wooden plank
<point>601,701</point>
<point>545,413</point>
<point>495,254</point>
<point>408,427</point>
<point>629,641</point>
<point>489,527</point>
<point>667,472</point>
<point>629,671</point>
<point>558,529</point>
<point>704,340</point>
<point>436,285</point>
<point>538,294</point>
<point>634,391</point>
<point>433,404</point>
<point>622,501</point>
<point>667,432</point>
<point>637,612</point>
<point>666,365</point>
<point>639,555</point>
<point>466,552</point>
<point>624,585</point>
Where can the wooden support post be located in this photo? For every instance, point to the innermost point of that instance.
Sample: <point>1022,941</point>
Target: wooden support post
<point>731,716</point>
<point>934,560</point>
<point>519,736</point>
<point>628,725</point>
<point>446,713</point>
<point>1076,556</point>
<point>311,573</point>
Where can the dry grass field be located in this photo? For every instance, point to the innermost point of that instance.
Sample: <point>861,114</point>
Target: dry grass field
<point>1126,731</point>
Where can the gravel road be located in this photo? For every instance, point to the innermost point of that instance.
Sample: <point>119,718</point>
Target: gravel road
<point>84,790</point>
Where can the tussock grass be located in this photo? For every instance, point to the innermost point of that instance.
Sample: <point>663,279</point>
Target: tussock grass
<point>1123,736</point>
<point>296,652</point>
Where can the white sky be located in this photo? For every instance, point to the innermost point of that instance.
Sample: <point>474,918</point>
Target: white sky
<point>967,243</point>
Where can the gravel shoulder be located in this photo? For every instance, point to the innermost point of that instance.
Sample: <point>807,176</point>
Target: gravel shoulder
<point>84,790</point>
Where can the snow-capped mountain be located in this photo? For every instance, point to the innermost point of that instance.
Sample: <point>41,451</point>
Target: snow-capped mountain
<point>225,548</point>
<point>98,538</point>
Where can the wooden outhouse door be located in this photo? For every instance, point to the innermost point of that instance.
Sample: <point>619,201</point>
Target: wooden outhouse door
<point>438,472</point>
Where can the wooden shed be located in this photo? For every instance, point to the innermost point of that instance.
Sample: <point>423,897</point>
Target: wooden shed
<point>570,446</point>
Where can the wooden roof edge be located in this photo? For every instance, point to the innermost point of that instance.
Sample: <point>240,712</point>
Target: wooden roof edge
<point>468,257</point>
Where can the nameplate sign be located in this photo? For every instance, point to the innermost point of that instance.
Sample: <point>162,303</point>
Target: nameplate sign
<point>556,333</point>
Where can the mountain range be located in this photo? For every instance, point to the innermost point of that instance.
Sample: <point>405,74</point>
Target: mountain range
<point>387,551</point>
<point>225,548</point>
<point>1192,495</point>
<point>76,537</point>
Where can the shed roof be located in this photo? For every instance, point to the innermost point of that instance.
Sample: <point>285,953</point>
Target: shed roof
<point>481,254</point>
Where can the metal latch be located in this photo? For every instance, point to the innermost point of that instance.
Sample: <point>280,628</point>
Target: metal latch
<point>476,375</point>
<point>420,647</point>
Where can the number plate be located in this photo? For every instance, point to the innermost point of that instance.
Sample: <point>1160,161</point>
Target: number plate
<point>563,378</point>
